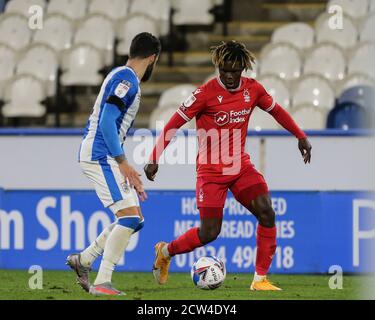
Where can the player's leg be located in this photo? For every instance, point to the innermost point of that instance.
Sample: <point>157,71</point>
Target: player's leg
<point>193,238</point>
<point>252,192</point>
<point>128,221</point>
<point>210,198</point>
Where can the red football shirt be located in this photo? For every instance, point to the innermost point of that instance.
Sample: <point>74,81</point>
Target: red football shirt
<point>222,118</point>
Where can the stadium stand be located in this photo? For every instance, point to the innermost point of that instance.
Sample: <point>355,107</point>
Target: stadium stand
<point>298,53</point>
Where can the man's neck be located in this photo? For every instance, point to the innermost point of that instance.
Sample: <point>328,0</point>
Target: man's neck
<point>138,66</point>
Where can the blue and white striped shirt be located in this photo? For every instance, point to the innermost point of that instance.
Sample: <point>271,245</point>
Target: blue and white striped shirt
<point>120,88</point>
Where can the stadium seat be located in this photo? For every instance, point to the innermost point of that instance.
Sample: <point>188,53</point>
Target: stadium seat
<point>261,120</point>
<point>371,5</point>
<point>314,90</point>
<point>346,38</point>
<point>114,9</point>
<point>23,96</point>
<point>367,29</point>
<point>356,79</point>
<point>23,6</point>
<point>363,61</point>
<point>173,97</point>
<point>163,115</point>
<point>278,89</point>
<point>74,9</point>
<point>192,12</point>
<point>130,27</point>
<point>81,65</point>
<point>14,31</point>
<point>356,9</point>
<point>327,60</point>
<point>97,30</point>
<point>346,116</point>
<point>309,117</point>
<point>299,34</point>
<point>57,32</point>
<point>281,59</point>
<point>157,9</point>
<point>7,65</point>
<point>364,96</point>
<point>41,61</point>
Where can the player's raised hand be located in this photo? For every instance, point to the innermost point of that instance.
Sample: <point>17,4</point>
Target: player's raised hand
<point>305,147</point>
<point>150,170</point>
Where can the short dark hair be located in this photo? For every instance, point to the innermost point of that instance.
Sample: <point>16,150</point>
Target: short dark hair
<point>144,45</point>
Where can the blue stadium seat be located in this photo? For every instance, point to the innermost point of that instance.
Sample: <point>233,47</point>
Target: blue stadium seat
<point>347,115</point>
<point>361,95</point>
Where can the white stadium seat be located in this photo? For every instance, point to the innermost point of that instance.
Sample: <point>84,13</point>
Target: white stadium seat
<point>57,32</point>
<point>81,64</point>
<point>308,117</point>
<point>7,65</point>
<point>298,33</point>
<point>41,61</point>
<point>261,120</point>
<point>371,5</point>
<point>353,8</point>
<point>14,31</point>
<point>74,9</point>
<point>193,12</point>
<point>97,30</point>
<point>277,89</point>
<point>23,6</point>
<point>314,90</point>
<point>128,28</point>
<point>173,97</point>
<point>367,29</point>
<point>162,115</point>
<point>23,96</point>
<point>157,9</point>
<point>346,38</point>
<point>363,60</point>
<point>114,9</point>
<point>281,59</point>
<point>327,60</point>
<point>354,80</point>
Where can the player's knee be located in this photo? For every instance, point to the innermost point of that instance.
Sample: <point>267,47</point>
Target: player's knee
<point>131,222</point>
<point>266,216</point>
<point>140,226</point>
<point>207,236</point>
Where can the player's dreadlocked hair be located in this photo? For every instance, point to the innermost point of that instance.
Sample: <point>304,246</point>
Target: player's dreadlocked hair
<point>232,51</point>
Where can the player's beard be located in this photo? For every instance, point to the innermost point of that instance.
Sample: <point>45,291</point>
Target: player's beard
<point>148,72</point>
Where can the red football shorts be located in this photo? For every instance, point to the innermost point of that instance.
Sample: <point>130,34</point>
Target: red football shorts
<point>211,191</point>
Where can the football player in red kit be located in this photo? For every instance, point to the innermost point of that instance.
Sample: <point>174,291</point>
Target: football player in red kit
<point>222,108</point>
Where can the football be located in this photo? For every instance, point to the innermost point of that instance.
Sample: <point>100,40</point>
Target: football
<point>208,273</point>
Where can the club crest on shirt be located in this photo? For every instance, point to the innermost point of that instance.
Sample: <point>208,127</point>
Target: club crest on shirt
<point>122,89</point>
<point>246,95</point>
<point>201,195</point>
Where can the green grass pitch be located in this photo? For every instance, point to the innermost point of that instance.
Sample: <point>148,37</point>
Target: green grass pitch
<point>60,285</point>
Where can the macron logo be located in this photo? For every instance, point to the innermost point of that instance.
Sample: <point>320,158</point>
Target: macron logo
<point>220,98</point>
<point>221,118</point>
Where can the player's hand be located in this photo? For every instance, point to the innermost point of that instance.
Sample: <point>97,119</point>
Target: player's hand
<point>142,194</point>
<point>150,170</point>
<point>305,147</point>
<point>132,175</point>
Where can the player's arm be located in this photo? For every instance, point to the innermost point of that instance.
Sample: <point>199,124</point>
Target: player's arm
<point>112,110</point>
<point>189,109</point>
<point>266,103</point>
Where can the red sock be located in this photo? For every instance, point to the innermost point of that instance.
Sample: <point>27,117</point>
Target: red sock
<point>185,243</point>
<point>266,247</point>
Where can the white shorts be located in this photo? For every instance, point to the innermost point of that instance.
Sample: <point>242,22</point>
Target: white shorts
<point>110,185</point>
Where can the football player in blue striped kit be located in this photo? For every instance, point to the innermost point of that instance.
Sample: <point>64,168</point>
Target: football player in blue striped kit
<point>102,160</point>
